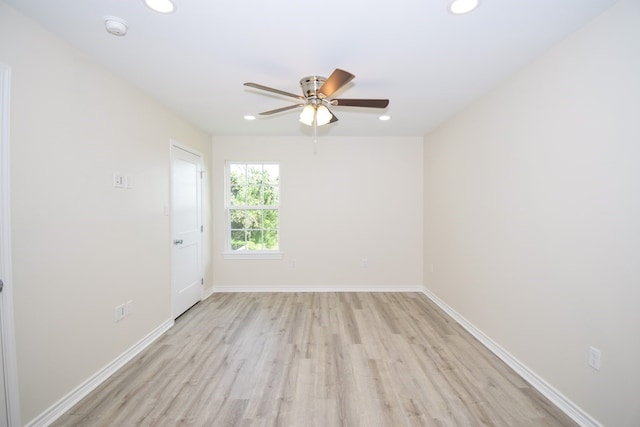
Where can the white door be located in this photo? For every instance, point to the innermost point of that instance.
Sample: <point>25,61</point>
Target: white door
<point>3,395</point>
<point>186,221</point>
<point>9,405</point>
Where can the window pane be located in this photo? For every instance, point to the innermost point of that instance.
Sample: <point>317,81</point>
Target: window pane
<point>237,219</point>
<point>238,195</point>
<point>254,196</point>
<point>271,240</point>
<point>270,219</point>
<point>271,196</point>
<point>238,240</point>
<point>272,174</point>
<point>254,175</point>
<point>238,174</point>
<point>254,240</point>
<point>238,184</point>
<point>253,219</point>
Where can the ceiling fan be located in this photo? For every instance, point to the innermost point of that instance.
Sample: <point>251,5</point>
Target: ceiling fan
<point>316,98</point>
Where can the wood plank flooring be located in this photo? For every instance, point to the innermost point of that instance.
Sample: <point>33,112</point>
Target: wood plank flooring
<point>315,359</point>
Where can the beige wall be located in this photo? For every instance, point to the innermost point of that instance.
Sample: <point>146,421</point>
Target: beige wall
<point>531,207</point>
<point>532,215</point>
<point>81,247</point>
<point>357,198</point>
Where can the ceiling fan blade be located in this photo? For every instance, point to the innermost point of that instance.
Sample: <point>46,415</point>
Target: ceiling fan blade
<point>333,118</point>
<point>278,91</point>
<point>369,103</point>
<point>336,80</point>
<point>279,110</point>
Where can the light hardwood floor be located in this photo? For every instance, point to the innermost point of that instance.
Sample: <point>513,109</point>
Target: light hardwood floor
<point>315,359</point>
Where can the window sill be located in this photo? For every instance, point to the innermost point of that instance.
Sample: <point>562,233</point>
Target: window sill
<point>253,255</point>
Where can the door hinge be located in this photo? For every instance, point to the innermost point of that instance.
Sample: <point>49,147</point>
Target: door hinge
<point>202,281</point>
<point>201,174</point>
<point>201,228</point>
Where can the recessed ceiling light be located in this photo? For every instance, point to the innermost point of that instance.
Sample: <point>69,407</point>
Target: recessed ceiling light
<point>384,118</point>
<point>162,6</point>
<point>459,7</point>
<point>249,117</point>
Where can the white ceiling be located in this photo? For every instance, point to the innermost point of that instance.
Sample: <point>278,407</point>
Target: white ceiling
<point>427,61</point>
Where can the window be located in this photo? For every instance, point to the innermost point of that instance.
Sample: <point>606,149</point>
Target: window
<point>253,209</point>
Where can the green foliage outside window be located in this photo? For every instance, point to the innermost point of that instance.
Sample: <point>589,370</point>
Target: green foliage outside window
<point>254,206</point>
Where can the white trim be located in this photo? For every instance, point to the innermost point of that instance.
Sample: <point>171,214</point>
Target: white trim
<point>318,288</point>
<point>63,405</point>
<point>9,360</point>
<point>562,402</point>
<point>208,293</point>
<point>253,255</point>
<point>177,144</point>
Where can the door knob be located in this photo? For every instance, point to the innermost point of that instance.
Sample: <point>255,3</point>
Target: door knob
<point>177,242</point>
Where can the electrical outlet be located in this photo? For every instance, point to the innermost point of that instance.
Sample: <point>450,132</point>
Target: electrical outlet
<point>119,312</point>
<point>365,263</point>
<point>595,358</point>
<point>128,308</point>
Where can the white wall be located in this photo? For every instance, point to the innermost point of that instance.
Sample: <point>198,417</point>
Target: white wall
<point>357,198</point>
<point>532,215</point>
<point>80,247</point>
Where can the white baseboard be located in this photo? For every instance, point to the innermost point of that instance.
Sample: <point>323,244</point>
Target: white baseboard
<point>207,293</point>
<point>67,402</point>
<point>563,403</point>
<point>318,288</point>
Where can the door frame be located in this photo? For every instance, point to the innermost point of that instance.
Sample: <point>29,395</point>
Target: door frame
<point>172,145</point>
<point>8,357</point>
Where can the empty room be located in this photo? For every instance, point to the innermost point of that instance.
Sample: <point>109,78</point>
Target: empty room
<point>418,213</point>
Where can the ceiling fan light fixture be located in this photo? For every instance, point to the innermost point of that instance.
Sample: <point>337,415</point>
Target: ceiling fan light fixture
<point>323,115</point>
<point>317,99</point>
<point>460,7</point>
<point>160,6</point>
<point>308,114</point>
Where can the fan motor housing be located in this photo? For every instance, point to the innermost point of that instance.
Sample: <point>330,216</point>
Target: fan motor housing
<point>311,84</point>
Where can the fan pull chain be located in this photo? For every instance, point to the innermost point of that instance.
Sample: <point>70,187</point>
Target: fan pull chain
<point>315,136</point>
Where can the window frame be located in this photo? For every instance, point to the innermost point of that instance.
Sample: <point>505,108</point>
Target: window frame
<point>249,254</point>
